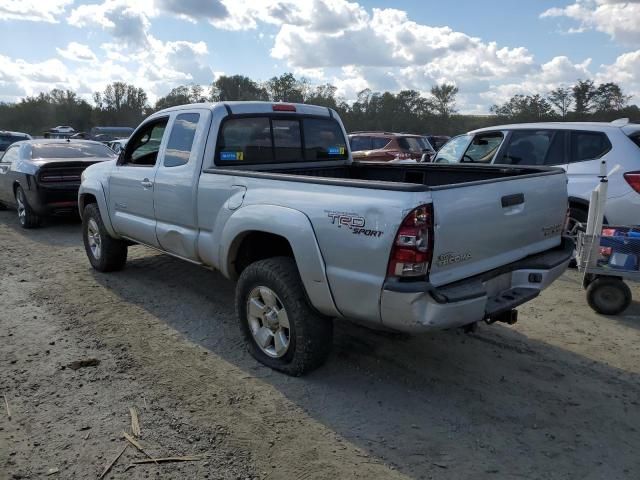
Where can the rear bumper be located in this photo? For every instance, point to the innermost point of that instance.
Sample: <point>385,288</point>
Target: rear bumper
<point>419,307</point>
<point>54,199</point>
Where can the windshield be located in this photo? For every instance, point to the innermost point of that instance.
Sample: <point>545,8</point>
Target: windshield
<point>414,144</point>
<point>453,150</point>
<point>70,150</point>
<point>6,140</point>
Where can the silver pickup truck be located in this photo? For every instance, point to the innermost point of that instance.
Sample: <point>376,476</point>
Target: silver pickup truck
<point>268,195</point>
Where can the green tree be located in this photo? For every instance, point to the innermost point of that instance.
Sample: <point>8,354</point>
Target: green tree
<point>610,98</point>
<point>524,108</point>
<point>182,95</point>
<point>583,94</point>
<point>444,99</point>
<point>561,98</point>
<point>237,87</point>
<point>287,88</point>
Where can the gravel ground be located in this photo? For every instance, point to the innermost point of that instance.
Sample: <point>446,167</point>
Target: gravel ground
<point>557,396</point>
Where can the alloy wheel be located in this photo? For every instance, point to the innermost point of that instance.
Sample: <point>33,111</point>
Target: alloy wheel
<point>268,322</point>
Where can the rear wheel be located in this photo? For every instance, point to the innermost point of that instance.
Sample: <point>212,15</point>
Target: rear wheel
<point>608,295</point>
<point>26,216</point>
<point>281,330</point>
<point>106,254</point>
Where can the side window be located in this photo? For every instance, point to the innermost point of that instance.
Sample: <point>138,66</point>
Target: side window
<point>181,140</point>
<point>11,155</point>
<point>535,147</point>
<point>142,149</point>
<point>452,151</point>
<point>588,146</point>
<point>379,142</point>
<point>483,147</point>
<point>358,144</point>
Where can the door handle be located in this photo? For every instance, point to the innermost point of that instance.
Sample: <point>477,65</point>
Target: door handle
<point>146,183</point>
<point>512,200</point>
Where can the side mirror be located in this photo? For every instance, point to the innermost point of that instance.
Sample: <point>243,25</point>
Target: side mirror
<point>120,160</point>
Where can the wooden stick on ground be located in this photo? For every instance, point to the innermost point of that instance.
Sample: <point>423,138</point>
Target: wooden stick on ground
<point>6,404</point>
<point>113,462</point>
<point>135,424</point>
<point>133,442</point>
<point>168,460</point>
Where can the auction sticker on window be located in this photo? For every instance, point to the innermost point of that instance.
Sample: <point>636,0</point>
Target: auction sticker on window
<point>336,150</point>
<point>232,156</point>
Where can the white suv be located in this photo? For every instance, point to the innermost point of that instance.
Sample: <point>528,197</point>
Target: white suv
<point>579,148</point>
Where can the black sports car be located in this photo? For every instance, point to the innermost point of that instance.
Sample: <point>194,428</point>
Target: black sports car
<point>42,177</point>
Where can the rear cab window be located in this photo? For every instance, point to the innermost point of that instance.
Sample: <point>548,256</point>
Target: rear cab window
<point>279,139</point>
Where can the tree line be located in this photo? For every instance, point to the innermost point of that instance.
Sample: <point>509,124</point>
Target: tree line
<point>121,104</point>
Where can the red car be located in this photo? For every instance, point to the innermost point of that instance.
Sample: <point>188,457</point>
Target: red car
<point>386,147</point>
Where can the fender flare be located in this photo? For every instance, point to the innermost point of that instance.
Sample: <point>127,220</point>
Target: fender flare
<point>94,187</point>
<point>297,229</point>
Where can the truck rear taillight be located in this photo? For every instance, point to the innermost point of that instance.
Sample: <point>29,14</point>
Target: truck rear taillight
<point>413,246</point>
<point>633,179</point>
<point>283,107</point>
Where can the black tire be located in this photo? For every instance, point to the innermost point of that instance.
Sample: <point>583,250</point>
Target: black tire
<point>26,216</point>
<point>608,295</point>
<point>112,253</point>
<point>310,334</point>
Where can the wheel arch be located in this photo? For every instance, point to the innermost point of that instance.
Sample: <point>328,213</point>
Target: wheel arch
<point>93,193</point>
<point>272,230</point>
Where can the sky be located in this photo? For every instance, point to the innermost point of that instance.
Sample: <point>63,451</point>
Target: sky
<point>491,49</point>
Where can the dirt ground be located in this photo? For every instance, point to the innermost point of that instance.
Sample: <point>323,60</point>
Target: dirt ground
<point>557,396</point>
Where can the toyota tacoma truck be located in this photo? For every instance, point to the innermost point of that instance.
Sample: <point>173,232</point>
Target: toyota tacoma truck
<point>268,194</point>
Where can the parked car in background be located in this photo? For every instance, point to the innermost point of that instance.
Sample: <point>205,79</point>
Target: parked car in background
<point>106,134</point>
<point>62,129</point>
<point>268,194</point>
<point>7,138</point>
<point>386,146</point>
<point>579,148</point>
<point>41,177</point>
<point>437,141</point>
<point>117,145</point>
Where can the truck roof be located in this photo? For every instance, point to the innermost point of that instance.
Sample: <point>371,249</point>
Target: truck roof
<point>240,108</point>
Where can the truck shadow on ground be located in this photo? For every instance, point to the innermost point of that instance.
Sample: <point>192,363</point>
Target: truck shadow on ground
<point>495,403</point>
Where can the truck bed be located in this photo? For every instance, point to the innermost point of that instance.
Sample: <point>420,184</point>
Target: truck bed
<point>404,177</point>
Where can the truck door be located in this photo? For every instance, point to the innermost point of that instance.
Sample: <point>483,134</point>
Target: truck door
<point>131,183</point>
<point>175,191</point>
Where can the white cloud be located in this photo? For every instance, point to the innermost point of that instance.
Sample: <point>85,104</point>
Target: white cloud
<point>77,52</point>
<point>620,19</point>
<point>194,10</point>
<point>625,71</point>
<point>33,10</point>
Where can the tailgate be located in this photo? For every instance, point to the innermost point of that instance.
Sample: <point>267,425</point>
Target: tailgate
<point>485,225</point>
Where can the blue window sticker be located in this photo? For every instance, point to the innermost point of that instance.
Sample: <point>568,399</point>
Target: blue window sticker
<point>336,151</point>
<point>232,156</point>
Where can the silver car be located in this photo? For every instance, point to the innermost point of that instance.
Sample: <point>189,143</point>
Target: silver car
<point>579,148</point>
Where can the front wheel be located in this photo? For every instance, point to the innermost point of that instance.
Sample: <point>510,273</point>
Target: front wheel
<point>608,295</point>
<point>106,254</point>
<point>281,330</point>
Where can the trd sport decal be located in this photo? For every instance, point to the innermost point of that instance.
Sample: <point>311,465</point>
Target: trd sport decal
<point>353,222</point>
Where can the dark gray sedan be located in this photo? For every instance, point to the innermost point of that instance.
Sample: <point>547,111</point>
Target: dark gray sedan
<point>41,177</point>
